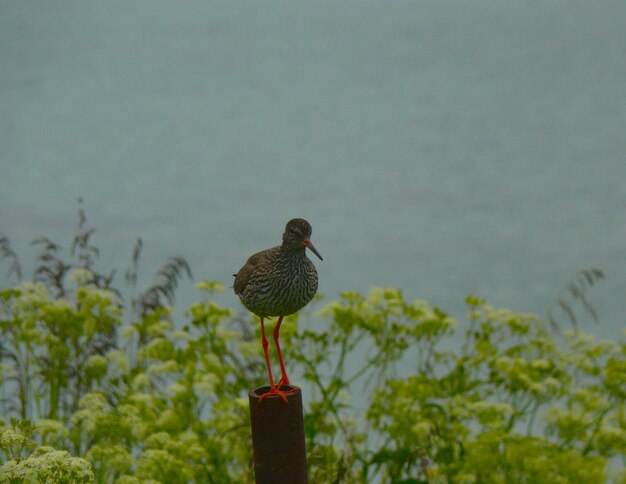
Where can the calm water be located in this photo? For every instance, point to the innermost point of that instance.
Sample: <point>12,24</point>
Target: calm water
<point>442,147</point>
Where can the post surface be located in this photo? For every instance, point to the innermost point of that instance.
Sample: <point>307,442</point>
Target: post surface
<point>278,438</point>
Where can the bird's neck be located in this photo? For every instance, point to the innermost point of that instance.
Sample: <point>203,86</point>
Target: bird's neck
<point>292,251</point>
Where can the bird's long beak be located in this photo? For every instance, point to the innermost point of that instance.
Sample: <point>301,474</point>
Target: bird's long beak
<point>307,243</point>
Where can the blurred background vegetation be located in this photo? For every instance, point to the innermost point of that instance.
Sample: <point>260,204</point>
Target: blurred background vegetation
<point>100,387</point>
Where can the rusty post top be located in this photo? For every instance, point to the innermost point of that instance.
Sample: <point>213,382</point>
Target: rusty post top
<point>278,437</point>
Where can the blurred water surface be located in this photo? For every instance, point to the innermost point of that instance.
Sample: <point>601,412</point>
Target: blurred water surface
<point>443,147</point>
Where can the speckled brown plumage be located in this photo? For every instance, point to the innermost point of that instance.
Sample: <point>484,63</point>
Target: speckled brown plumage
<point>281,280</point>
<point>278,282</point>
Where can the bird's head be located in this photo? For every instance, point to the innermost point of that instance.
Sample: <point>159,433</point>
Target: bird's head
<point>298,234</point>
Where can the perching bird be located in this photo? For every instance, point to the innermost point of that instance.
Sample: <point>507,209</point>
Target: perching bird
<point>279,282</point>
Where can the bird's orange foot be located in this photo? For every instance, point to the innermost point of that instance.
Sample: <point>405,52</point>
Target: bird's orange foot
<point>280,390</point>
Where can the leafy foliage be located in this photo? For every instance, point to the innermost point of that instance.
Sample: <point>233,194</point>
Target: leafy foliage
<point>165,405</point>
<point>98,392</point>
<point>42,464</point>
<point>512,403</point>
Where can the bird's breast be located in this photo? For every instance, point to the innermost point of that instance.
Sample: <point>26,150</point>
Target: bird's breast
<point>281,289</point>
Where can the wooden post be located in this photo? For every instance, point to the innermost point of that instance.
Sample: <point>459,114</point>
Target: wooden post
<point>278,438</point>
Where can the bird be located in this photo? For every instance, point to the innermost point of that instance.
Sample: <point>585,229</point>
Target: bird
<point>278,282</point>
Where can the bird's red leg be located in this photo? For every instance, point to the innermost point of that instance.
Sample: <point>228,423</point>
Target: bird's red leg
<point>274,390</point>
<point>284,379</point>
<point>267,356</point>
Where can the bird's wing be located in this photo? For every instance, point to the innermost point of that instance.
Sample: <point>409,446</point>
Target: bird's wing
<point>252,264</point>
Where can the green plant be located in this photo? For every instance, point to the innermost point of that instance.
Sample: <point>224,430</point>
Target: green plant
<point>395,391</point>
<point>42,464</point>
